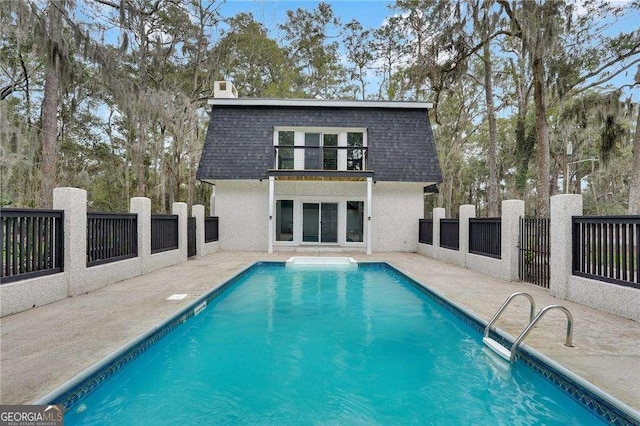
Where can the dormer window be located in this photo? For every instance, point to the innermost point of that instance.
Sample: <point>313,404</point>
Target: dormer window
<point>328,149</point>
<point>285,154</point>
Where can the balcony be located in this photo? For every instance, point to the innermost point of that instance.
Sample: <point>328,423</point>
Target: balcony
<point>320,163</point>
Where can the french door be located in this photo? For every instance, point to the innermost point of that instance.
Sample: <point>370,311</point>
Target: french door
<point>320,222</point>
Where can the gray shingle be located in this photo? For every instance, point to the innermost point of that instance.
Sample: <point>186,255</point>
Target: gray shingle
<point>239,140</point>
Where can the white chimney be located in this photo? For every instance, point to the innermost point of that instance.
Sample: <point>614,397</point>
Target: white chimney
<point>224,89</point>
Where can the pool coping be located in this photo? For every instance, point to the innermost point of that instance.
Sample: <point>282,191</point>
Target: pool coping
<point>585,393</point>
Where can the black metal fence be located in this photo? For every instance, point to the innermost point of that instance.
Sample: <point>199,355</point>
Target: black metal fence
<point>534,251</point>
<point>210,229</point>
<point>485,236</point>
<point>425,233</point>
<point>450,234</point>
<point>111,237</point>
<point>607,248</point>
<point>164,232</point>
<point>32,243</point>
<point>192,248</point>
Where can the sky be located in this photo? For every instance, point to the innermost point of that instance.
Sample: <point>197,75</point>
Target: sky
<point>273,12</point>
<point>372,13</point>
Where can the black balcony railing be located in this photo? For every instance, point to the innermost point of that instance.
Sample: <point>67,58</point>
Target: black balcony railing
<point>425,231</point>
<point>607,248</point>
<point>334,158</point>
<point>485,236</point>
<point>164,232</point>
<point>32,243</point>
<point>450,234</point>
<point>534,250</point>
<point>111,237</point>
<point>210,229</point>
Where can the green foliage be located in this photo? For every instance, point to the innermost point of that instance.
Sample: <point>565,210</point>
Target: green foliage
<point>136,74</point>
<point>316,59</point>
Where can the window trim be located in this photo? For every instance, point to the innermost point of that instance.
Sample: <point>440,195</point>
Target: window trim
<point>299,200</point>
<point>299,141</point>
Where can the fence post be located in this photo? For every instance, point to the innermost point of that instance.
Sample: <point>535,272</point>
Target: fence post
<point>438,213</point>
<point>197,211</point>
<point>467,211</point>
<point>142,206</point>
<point>562,208</point>
<point>512,210</point>
<point>181,210</point>
<point>74,203</point>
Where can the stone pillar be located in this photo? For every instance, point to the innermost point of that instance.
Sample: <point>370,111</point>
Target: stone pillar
<point>142,207</point>
<point>181,210</point>
<point>512,211</point>
<point>562,208</point>
<point>197,211</point>
<point>467,211</point>
<point>74,203</point>
<point>438,213</point>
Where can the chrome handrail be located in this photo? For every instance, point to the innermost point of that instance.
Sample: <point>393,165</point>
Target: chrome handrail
<point>525,332</point>
<point>532,310</point>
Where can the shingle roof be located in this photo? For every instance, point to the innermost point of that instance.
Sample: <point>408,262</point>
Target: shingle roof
<point>320,103</point>
<point>239,140</point>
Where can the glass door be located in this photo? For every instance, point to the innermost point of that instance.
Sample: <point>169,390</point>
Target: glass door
<point>320,222</point>
<point>310,222</point>
<point>329,223</point>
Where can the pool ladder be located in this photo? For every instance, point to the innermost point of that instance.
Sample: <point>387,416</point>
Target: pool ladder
<point>510,355</point>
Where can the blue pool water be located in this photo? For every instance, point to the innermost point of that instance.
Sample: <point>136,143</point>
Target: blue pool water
<point>303,346</point>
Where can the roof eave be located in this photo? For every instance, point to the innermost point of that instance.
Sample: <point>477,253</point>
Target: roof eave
<point>321,103</point>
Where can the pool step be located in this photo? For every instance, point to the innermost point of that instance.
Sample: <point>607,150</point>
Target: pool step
<point>320,261</point>
<point>497,348</point>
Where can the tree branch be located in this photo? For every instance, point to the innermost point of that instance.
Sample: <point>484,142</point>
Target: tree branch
<point>634,51</point>
<point>514,20</point>
<point>108,3</point>
<point>604,79</point>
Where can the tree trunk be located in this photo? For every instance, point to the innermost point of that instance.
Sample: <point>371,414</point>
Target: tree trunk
<point>634,188</point>
<point>542,133</point>
<point>139,152</point>
<point>492,185</point>
<point>50,112</point>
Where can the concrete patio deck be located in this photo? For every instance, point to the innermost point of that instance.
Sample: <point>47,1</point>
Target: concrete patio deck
<point>42,348</point>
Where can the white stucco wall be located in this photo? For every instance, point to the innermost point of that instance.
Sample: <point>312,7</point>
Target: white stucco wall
<point>98,276</point>
<point>613,298</point>
<point>427,250</point>
<point>242,208</point>
<point>488,265</point>
<point>22,295</point>
<point>320,188</point>
<point>396,208</point>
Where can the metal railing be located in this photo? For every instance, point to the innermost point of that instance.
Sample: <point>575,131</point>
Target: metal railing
<point>340,158</point>
<point>164,232</point>
<point>111,237</point>
<point>425,231</point>
<point>485,236</point>
<point>607,248</point>
<point>534,250</point>
<point>32,243</point>
<point>210,229</point>
<point>450,234</point>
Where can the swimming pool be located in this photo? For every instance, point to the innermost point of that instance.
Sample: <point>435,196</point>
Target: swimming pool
<point>360,345</point>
